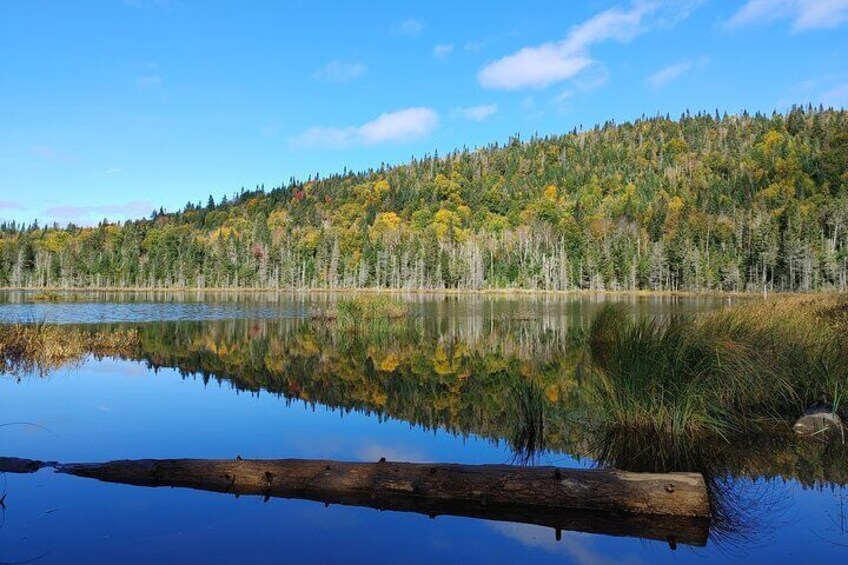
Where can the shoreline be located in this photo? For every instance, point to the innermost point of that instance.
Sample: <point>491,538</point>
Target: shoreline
<point>424,291</point>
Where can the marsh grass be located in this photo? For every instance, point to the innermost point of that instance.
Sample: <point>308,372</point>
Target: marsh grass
<point>522,315</point>
<point>369,312</point>
<point>46,296</point>
<point>41,348</point>
<point>527,405</point>
<point>371,307</point>
<point>729,372</point>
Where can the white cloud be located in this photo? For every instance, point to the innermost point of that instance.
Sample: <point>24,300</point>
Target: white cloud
<point>577,547</point>
<point>402,125</point>
<point>478,113</point>
<point>112,172</point>
<point>549,63</point>
<point>442,50</point>
<point>376,451</point>
<point>534,67</point>
<point>340,71</point>
<point>593,77</point>
<point>613,24</point>
<point>399,126</point>
<point>664,76</point>
<point>804,14</point>
<point>326,136</point>
<point>409,26</point>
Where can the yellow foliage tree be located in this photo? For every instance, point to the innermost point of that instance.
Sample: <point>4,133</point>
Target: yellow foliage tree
<point>386,227</point>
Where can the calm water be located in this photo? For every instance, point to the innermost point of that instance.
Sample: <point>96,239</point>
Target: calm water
<point>221,376</point>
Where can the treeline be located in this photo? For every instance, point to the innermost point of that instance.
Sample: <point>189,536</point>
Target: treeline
<point>706,202</point>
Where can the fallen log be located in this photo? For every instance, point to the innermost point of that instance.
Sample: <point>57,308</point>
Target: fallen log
<point>673,507</point>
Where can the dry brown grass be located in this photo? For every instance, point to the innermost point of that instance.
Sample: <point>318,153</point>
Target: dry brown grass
<point>41,348</point>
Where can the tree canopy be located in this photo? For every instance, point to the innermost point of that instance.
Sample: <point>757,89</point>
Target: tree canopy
<point>704,202</point>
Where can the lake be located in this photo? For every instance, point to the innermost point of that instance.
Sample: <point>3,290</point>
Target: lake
<point>251,375</point>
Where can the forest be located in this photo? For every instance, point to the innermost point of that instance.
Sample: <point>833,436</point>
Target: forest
<point>707,202</point>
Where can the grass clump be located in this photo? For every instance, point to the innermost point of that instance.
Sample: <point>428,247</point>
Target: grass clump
<point>804,339</point>
<point>369,311</point>
<point>728,372</point>
<point>41,348</point>
<point>526,405</point>
<point>371,307</point>
<point>665,377</point>
<point>46,296</point>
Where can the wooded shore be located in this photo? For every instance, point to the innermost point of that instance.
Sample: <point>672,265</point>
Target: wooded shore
<point>414,291</point>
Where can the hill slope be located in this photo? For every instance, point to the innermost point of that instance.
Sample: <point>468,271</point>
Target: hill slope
<point>702,203</point>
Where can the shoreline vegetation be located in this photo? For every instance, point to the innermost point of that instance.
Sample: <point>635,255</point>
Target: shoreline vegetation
<point>351,312</point>
<point>59,293</point>
<point>734,371</point>
<point>41,348</point>
<point>727,373</point>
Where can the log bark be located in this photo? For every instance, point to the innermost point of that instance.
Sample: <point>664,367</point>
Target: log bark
<point>673,507</point>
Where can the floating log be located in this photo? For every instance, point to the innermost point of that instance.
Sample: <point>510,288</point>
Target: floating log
<point>672,507</point>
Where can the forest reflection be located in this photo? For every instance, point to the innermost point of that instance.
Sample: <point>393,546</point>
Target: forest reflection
<point>511,379</point>
<point>518,377</point>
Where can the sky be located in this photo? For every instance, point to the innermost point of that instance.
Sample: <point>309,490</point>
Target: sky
<point>113,108</point>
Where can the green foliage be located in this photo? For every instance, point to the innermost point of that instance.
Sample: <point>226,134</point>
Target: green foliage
<point>369,312</point>
<point>370,307</point>
<point>725,374</point>
<point>732,203</point>
<point>376,313</point>
<point>528,404</point>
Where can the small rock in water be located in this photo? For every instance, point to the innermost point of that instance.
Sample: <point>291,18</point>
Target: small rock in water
<point>820,420</point>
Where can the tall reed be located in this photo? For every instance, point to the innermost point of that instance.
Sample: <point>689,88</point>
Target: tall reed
<point>727,372</point>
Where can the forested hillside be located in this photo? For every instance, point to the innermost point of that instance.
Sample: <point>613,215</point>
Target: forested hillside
<point>706,202</point>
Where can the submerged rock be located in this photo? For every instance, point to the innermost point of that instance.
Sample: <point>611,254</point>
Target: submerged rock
<point>820,420</point>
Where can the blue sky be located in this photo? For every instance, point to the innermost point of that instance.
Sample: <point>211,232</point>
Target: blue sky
<point>110,108</point>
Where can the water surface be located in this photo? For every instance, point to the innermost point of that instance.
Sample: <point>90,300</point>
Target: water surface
<point>220,376</point>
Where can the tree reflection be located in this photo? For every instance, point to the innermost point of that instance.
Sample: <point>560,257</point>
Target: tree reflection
<point>519,384</point>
